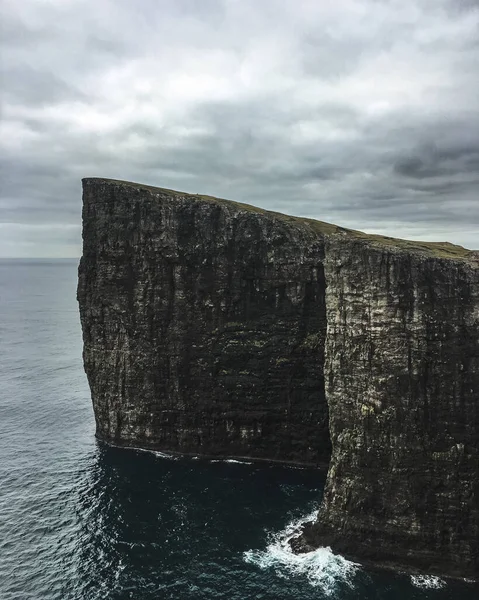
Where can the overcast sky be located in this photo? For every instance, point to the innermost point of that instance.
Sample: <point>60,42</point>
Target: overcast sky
<point>364,113</point>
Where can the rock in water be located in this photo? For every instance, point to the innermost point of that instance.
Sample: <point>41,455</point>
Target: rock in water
<point>216,328</point>
<point>402,384</point>
<point>204,324</point>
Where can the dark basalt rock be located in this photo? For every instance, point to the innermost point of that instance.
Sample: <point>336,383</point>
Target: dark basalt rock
<point>204,326</point>
<point>402,383</point>
<point>215,328</point>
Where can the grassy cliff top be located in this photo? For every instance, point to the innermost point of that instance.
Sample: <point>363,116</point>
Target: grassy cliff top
<point>435,249</point>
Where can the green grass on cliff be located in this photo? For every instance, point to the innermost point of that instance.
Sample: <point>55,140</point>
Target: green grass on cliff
<point>436,249</point>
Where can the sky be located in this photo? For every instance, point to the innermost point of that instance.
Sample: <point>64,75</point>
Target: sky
<point>363,113</point>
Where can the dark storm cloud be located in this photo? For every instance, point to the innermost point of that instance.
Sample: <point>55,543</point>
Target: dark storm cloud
<point>432,161</point>
<point>360,112</point>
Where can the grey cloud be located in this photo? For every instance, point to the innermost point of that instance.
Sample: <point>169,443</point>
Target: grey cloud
<point>29,87</point>
<point>367,120</point>
<point>432,161</point>
<point>16,34</point>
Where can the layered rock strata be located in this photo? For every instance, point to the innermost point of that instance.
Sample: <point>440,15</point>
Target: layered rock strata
<point>402,383</point>
<point>215,328</point>
<point>203,324</point>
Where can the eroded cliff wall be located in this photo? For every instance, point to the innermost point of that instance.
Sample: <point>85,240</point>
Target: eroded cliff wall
<point>402,382</point>
<point>203,324</point>
<point>216,328</point>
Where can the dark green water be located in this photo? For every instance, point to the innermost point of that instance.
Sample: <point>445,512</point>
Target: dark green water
<point>81,521</point>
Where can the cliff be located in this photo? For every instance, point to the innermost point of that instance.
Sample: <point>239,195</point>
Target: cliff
<point>402,383</point>
<point>204,325</point>
<point>216,328</point>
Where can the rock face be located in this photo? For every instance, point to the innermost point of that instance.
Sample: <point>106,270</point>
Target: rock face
<point>402,383</point>
<point>204,326</point>
<point>216,328</point>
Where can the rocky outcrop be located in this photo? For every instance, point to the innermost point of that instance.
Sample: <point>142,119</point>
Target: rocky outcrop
<point>204,325</point>
<point>402,383</point>
<point>217,328</point>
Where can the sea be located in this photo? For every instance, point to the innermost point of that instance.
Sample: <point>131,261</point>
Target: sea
<point>80,520</point>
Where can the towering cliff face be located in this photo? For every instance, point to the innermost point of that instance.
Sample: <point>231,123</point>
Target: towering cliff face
<point>216,328</point>
<point>402,383</point>
<point>204,325</point>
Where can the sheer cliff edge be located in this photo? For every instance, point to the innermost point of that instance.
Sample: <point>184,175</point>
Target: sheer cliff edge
<point>216,328</point>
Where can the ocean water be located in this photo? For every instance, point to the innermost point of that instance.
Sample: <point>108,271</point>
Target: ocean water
<point>83,521</point>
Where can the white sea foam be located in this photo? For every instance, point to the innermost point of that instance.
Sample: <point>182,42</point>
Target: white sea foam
<point>166,455</point>
<point>427,582</point>
<point>230,460</point>
<point>156,453</point>
<point>321,567</point>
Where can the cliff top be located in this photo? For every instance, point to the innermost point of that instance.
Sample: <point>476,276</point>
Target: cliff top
<point>433,249</point>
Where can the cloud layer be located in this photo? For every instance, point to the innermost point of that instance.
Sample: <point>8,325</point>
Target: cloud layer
<point>360,112</point>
